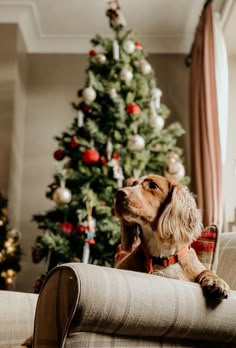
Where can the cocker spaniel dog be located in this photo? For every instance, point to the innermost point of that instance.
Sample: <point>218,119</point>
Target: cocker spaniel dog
<point>163,216</point>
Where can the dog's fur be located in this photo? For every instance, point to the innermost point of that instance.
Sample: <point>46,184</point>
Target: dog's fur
<point>166,215</point>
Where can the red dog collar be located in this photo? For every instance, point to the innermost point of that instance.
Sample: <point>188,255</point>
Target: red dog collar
<point>165,261</point>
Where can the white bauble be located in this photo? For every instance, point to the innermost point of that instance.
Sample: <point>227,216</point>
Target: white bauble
<point>145,67</point>
<point>129,46</point>
<point>126,75</point>
<point>113,93</point>
<point>156,121</point>
<point>101,58</point>
<point>174,170</point>
<point>89,94</point>
<point>62,195</point>
<point>136,143</point>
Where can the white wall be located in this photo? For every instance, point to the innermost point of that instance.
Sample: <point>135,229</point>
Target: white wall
<point>230,168</point>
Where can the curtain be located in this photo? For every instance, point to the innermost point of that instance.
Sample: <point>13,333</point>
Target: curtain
<point>206,168</point>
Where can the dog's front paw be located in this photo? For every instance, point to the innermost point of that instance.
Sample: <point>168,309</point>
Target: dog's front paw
<point>213,286</point>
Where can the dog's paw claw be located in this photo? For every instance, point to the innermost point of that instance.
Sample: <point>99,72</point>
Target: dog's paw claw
<point>213,286</point>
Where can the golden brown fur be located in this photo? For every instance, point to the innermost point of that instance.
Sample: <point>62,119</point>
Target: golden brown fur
<point>163,215</point>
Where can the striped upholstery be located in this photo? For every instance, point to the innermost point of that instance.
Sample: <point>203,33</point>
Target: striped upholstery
<point>92,306</point>
<point>16,317</point>
<point>227,258</point>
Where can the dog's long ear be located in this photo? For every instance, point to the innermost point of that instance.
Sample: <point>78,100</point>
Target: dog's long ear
<point>128,236</point>
<point>180,220</point>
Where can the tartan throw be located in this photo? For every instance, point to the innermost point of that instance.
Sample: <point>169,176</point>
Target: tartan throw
<point>206,247</point>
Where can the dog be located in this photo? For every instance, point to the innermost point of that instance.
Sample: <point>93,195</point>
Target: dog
<point>160,216</point>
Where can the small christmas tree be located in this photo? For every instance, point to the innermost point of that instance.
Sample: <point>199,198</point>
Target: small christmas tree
<point>9,249</point>
<point>119,132</point>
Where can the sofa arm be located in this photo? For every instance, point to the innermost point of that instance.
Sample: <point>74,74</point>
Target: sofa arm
<point>86,298</point>
<point>16,317</point>
<point>227,258</point>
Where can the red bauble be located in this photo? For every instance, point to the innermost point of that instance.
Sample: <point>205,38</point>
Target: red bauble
<point>133,109</point>
<point>67,227</point>
<point>80,229</point>
<point>103,160</point>
<point>138,45</point>
<point>116,155</point>
<point>90,156</point>
<point>91,241</point>
<point>74,143</point>
<point>59,155</point>
<point>92,53</point>
<point>85,108</point>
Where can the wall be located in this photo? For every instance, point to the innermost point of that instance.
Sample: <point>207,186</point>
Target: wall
<point>52,86</point>
<point>230,168</point>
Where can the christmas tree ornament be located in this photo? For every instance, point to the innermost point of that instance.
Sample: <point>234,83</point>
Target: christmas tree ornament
<point>117,169</point>
<point>80,118</point>
<point>156,121</point>
<point>109,149</point>
<point>136,143</point>
<point>59,155</point>
<point>156,97</point>
<point>113,93</point>
<point>126,74</point>
<point>103,160</point>
<point>74,142</point>
<point>116,17</point>
<point>67,227</point>
<point>133,109</point>
<point>62,195</point>
<point>136,63</point>
<point>129,46</point>
<point>101,58</point>
<point>145,67</point>
<point>90,156</point>
<point>174,169</point>
<point>116,50</point>
<point>138,46</point>
<point>89,94</point>
<point>92,53</point>
<point>90,226</point>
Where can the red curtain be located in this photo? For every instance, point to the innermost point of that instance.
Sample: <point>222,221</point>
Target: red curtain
<point>206,170</point>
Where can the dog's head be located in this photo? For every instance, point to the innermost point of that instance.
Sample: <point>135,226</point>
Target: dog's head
<point>163,209</point>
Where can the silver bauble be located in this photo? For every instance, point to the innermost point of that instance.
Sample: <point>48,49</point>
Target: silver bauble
<point>89,94</point>
<point>101,58</point>
<point>126,75</point>
<point>156,121</point>
<point>174,170</point>
<point>62,195</point>
<point>136,143</point>
<point>129,46</point>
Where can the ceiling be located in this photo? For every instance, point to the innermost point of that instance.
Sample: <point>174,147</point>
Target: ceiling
<point>66,26</point>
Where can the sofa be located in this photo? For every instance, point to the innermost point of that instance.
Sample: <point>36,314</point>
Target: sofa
<point>83,305</point>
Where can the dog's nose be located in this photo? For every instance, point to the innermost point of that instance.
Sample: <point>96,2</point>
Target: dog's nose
<point>121,195</point>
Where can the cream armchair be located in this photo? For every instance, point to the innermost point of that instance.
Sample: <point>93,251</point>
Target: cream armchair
<point>90,306</point>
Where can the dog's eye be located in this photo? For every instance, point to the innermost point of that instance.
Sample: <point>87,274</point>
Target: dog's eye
<point>135,183</point>
<point>152,185</point>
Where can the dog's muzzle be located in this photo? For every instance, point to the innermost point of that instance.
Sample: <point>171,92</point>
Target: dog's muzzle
<point>121,201</point>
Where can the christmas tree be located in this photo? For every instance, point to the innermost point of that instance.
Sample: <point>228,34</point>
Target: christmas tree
<point>118,132</point>
<point>9,248</point>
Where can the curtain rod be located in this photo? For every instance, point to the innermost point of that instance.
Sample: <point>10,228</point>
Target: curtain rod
<point>188,58</point>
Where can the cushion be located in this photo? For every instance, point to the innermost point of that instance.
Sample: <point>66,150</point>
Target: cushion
<point>206,247</point>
